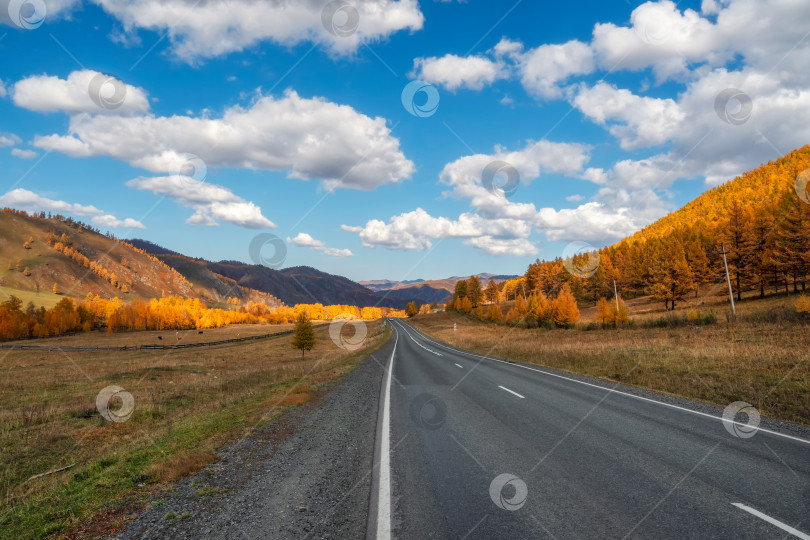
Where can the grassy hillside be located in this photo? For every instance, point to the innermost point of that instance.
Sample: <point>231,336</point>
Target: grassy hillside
<point>38,252</point>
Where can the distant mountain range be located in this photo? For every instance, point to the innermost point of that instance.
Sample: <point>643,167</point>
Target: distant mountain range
<point>427,291</point>
<point>296,285</point>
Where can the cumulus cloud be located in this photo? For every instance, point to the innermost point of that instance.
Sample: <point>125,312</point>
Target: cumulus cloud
<point>23,154</point>
<point>641,121</point>
<point>310,138</point>
<point>211,203</point>
<point>542,70</point>
<point>453,72</point>
<point>545,68</point>
<point>23,199</point>
<point>415,231</point>
<point>3,91</point>
<point>84,91</point>
<point>199,30</point>
<point>305,240</point>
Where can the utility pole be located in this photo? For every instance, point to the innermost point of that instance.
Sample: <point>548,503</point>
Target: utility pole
<point>616,294</point>
<point>728,279</point>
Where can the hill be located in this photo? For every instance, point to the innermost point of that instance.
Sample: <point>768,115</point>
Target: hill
<point>760,220</point>
<point>296,285</point>
<point>41,252</point>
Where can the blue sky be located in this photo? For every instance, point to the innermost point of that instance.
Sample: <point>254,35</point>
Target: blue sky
<point>610,114</point>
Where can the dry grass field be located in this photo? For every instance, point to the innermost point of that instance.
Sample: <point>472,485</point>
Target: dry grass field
<point>187,404</point>
<point>758,358</point>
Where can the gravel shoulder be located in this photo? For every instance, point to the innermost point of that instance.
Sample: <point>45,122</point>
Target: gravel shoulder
<point>306,475</point>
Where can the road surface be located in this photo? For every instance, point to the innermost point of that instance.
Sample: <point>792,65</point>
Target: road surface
<point>469,447</point>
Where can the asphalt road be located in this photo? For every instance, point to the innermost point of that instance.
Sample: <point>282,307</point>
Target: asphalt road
<point>469,447</point>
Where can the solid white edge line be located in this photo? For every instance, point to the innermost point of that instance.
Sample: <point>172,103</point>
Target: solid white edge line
<point>511,391</point>
<point>459,365</point>
<point>707,415</point>
<point>384,493</point>
<point>787,528</point>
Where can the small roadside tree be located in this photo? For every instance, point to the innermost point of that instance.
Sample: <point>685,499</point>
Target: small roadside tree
<point>304,337</point>
<point>411,309</point>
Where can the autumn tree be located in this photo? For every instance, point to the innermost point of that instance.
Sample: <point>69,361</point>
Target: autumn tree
<point>55,289</point>
<point>460,290</point>
<point>491,292</point>
<point>494,313</point>
<point>699,264</point>
<point>735,238</point>
<point>474,290</point>
<point>564,308</point>
<point>674,277</point>
<point>411,309</point>
<point>304,334</point>
<point>26,271</point>
<point>604,312</point>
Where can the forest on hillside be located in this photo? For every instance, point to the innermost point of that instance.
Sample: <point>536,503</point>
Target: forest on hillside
<point>761,219</point>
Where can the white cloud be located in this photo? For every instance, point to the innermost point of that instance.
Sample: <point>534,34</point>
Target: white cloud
<point>642,121</point>
<point>453,72</point>
<point>464,175</point>
<point>574,198</point>
<point>3,91</point>
<point>211,203</point>
<point>199,30</point>
<point>305,240</point>
<point>84,91</point>
<point>415,230</point>
<point>543,69</point>
<point>23,154</point>
<point>661,37</point>
<point>22,199</point>
<point>8,139</point>
<point>309,138</point>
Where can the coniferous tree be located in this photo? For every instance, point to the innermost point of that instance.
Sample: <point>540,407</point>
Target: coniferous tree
<point>304,334</point>
<point>474,290</point>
